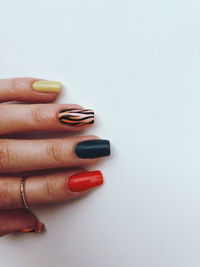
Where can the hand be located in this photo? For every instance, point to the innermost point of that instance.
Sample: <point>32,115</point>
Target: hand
<point>18,156</point>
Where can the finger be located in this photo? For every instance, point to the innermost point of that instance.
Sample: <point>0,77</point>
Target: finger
<point>51,188</point>
<point>20,220</point>
<point>28,89</point>
<point>43,117</point>
<point>25,155</point>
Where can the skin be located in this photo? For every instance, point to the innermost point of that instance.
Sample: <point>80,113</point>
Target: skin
<point>33,117</point>
<point>17,156</point>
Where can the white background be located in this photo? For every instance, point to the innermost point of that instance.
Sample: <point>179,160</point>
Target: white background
<point>137,64</point>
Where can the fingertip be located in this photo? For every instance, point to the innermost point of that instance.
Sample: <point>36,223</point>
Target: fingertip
<point>30,223</point>
<point>19,220</point>
<point>38,228</point>
<point>45,90</point>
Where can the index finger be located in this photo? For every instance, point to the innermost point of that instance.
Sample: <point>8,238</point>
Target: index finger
<point>28,89</point>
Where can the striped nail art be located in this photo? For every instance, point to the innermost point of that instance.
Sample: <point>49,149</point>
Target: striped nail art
<point>76,117</point>
<point>39,229</point>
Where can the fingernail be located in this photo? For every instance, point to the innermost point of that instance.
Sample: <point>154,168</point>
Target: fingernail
<point>84,181</point>
<point>76,117</point>
<point>46,86</point>
<point>39,229</point>
<point>93,149</point>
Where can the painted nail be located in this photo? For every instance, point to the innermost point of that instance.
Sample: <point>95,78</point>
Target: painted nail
<point>84,181</point>
<point>39,229</point>
<point>76,117</point>
<point>46,86</point>
<point>93,149</point>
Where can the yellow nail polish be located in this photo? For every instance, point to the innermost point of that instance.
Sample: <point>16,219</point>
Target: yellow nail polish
<point>47,86</point>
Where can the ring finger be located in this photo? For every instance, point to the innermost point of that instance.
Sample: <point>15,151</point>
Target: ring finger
<point>49,188</point>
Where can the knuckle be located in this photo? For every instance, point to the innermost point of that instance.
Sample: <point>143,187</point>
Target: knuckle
<point>8,198</point>
<point>15,85</point>
<point>18,84</point>
<point>4,194</point>
<point>5,165</point>
<point>37,115</point>
<point>50,191</point>
<point>53,151</point>
<point>3,114</point>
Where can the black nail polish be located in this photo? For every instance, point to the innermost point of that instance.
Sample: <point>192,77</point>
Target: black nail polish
<point>93,149</point>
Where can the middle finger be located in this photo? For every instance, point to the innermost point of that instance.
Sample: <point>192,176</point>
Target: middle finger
<point>26,155</point>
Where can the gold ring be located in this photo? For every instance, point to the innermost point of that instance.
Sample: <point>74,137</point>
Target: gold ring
<point>22,193</point>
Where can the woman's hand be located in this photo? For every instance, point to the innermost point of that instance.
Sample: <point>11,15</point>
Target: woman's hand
<point>17,156</point>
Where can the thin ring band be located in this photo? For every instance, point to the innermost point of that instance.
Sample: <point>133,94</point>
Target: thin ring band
<point>22,193</point>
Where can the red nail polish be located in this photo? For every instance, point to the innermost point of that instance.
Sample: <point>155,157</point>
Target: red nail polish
<point>84,181</point>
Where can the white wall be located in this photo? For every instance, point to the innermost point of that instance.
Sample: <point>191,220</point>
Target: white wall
<point>137,63</point>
